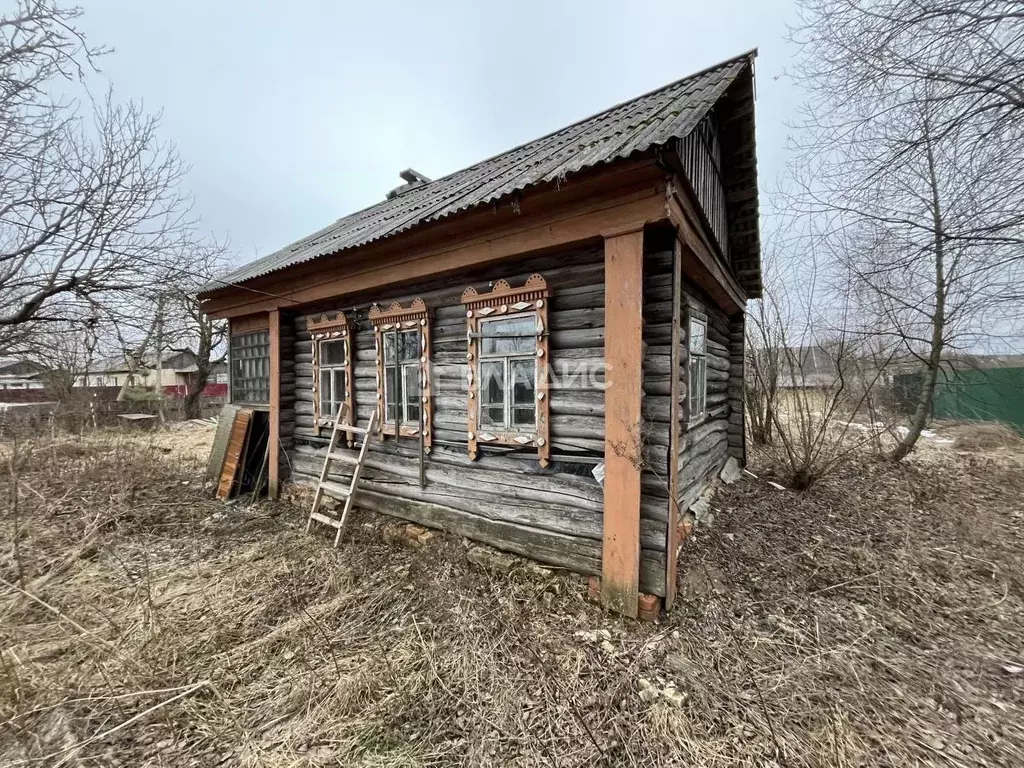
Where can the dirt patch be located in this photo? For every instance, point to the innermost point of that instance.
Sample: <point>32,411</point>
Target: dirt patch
<point>875,620</point>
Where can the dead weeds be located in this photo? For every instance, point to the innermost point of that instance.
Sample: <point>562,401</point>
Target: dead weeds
<point>874,620</point>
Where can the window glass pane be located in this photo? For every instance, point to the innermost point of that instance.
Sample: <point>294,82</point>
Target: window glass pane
<point>332,352</point>
<point>389,391</point>
<point>326,411</point>
<point>409,344</point>
<point>524,417</point>
<point>698,383</point>
<point>523,383</point>
<point>412,393</point>
<point>509,336</point>
<point>389,347</point>
<point>698,336</point>
<point>492,393</point>
<point>492,382</point>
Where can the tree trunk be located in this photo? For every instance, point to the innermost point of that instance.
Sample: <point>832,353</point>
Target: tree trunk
<point>923,410</point>
<point>193,403</point>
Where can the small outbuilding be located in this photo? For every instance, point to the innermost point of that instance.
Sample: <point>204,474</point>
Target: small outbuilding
<point>552,338</point>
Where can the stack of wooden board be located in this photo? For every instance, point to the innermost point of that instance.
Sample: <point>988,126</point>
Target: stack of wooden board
<point>227,457</point>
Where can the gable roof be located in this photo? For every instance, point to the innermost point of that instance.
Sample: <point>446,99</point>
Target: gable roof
<point>653,119</point>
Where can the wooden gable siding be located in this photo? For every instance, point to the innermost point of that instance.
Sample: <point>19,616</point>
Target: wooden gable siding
<point>505,498</point>
<point>700,155</point>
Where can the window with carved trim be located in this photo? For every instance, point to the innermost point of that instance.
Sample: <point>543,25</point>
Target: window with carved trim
<point>402,338</point>
<point>508,364</point>
<point>332,368</point>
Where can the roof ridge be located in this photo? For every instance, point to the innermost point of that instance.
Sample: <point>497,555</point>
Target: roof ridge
<point>724,63</point>
<point>633,125</point>
<point>679,81</point>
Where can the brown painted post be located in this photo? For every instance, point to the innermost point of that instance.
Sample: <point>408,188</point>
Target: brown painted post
<point>623,356</point>
<point>275,402</point>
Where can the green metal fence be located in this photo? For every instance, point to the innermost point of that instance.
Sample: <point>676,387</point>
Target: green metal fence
<point>993,394</point>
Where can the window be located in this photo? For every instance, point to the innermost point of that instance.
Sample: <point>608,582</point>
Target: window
<point>508,364</point>
<point>250,367</point>
<point>333,372</point>
<point>508,373</point>
<point>698,344</point>
<point>332,363</point>
<point>403,368</point>
<point>402,376</point>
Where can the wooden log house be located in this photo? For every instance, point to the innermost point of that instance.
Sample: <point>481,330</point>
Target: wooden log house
<point>573,303</point>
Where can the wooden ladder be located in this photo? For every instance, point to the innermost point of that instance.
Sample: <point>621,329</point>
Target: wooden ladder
<point>339,490</point>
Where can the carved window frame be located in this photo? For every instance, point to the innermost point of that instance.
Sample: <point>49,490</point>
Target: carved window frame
<point>332,328</point>
<point>416,317</point>
<point>501,302</point>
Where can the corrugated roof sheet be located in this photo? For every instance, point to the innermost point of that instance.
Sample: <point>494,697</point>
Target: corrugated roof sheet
<point>637,125</point>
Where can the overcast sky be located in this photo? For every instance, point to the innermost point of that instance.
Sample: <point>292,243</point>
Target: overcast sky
<point>294,114</point>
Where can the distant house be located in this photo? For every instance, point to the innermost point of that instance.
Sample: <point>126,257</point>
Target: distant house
<point>175,375</point>
<point>21,374</point>
<point>571,309</point>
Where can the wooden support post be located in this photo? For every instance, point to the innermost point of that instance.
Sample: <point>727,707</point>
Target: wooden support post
<point>623,397</point>
<point>275,403</point>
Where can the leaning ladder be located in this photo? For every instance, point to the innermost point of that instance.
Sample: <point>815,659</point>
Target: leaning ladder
<point>339,490</point>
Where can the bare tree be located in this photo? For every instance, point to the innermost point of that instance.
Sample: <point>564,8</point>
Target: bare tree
<point>912,169</point>
<point>189,330</point>
<point>89,205</point>
<point>67,352</point>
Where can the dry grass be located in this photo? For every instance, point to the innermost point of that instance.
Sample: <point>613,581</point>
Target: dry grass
<point>985,436</point>
<point>874,620</point>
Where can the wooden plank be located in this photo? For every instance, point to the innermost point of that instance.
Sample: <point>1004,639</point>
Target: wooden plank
<point>580,555</point>
<point>326,520</point>
<point>274,438</point>
<point>220,441</point>
<point>675,430</point>
<point>249,323</point>
<point>623,311</point>
<point>234,456</point>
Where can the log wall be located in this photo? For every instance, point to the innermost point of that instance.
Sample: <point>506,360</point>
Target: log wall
<point>505,498</point>
<point>705,445</point>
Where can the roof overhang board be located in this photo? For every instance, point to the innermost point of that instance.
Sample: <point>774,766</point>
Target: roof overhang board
<point>575,213</point>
